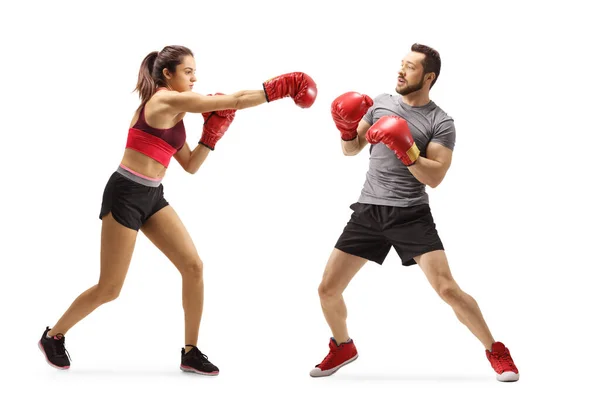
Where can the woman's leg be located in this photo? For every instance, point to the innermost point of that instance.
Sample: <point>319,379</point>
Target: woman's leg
<point>117,244</point>
<point>169,235</point>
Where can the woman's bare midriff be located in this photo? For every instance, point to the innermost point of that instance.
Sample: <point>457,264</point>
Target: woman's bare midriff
<point>142,164</point>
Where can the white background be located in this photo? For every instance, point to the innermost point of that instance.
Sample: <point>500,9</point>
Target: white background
<point>518,210</point>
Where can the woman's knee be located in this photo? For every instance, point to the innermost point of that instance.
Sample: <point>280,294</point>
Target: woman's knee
<point>192,269</point>
<point>106,292</point>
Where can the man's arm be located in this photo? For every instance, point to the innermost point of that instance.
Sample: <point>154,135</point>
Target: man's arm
<point>431,170</point>
<point>353,147</point>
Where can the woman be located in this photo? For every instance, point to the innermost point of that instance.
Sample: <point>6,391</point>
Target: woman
<point>133,198</point>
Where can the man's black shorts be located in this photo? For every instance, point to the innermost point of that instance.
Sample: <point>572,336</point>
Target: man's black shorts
<point>373,229</point>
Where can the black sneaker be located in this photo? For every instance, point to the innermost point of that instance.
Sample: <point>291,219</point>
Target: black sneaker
<point>195,361</point>
<point>54,350</point>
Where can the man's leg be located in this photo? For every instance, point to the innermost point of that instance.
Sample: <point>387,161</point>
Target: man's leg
<point>360,241</point>
<point>435,266</point>
<point>339,271</point>
<point>413,234</point>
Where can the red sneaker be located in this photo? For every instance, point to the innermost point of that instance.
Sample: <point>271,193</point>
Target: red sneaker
<point>338,356</point>
<point>502,363</point>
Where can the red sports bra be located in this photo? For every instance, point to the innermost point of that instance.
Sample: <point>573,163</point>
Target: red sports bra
<point>158,144</point>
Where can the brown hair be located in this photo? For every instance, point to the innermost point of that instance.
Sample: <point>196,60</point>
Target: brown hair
<point>432,61</point>
<point>151,75</point>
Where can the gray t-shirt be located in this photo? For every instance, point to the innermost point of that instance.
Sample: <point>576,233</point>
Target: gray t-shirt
<point>388,181</point>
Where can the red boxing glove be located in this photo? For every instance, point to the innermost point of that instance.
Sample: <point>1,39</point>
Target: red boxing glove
<point>393,131</point>
<point>347,110</point>
<point>223,113</point>
<point>215,126</point>
<point>297,85</point>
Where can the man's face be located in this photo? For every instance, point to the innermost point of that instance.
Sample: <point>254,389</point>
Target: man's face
<point>411,76</point>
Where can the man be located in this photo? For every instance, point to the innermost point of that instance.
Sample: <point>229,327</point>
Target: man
<point>412,140</point>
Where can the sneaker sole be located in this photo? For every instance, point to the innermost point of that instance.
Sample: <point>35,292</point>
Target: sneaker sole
<point>195,371</point>
<point>48,361</point>
<point>508,377</point>
<point>317,373</point>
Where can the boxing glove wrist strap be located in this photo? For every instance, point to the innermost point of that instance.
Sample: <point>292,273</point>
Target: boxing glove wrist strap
<point>206,145</point>
<point>348,137</point>
<point>266,94</point>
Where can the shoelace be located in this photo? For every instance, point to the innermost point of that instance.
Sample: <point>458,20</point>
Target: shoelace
<point>197,353</point>
<point>327,358</point>
<point>504,360</point>
<point>59,348</point>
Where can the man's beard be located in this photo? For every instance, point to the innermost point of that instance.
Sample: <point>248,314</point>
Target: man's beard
<point>411,88</point>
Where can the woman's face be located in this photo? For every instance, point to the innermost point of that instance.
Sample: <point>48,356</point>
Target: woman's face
<point>184,77</point>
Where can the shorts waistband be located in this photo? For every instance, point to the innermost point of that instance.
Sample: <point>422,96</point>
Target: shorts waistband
<point>137,177</point>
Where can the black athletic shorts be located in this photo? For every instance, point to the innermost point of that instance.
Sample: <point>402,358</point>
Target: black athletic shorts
<point>131,198</point>
<point>373,229</point>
